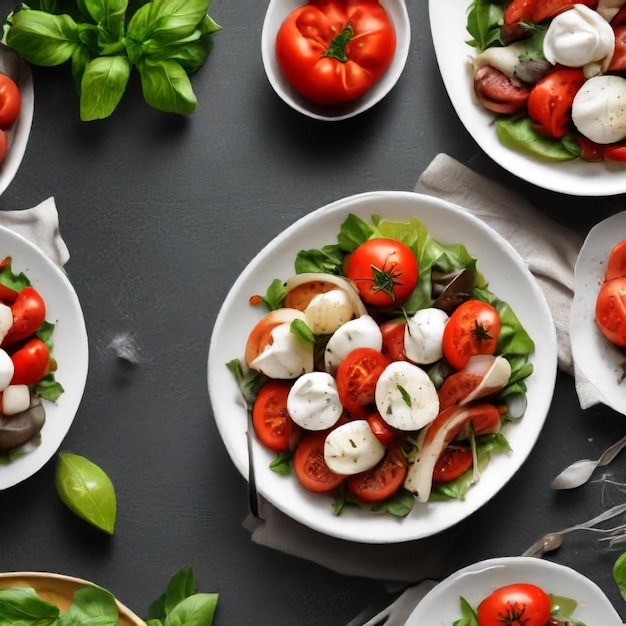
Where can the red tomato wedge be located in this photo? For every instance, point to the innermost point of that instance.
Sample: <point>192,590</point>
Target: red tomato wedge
<point>519,11</point>
<point>382,481</point>
<point>546,9</point>
<point>29,313</point>
<point>31,362</point>
<point>616,267</point>
<point>499,93</point>
<point>393,340</point>
<point>610,313</point>
<point>272,423</point>
<point>451,464</point>
<point>310,467</point>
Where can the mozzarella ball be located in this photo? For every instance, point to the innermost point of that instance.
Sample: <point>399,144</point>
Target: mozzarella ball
<point>423,336</point>
<point>352,448</point>
<point>362,332</point>
<point>15,399</point>
<point>313,401</point>
<point>599,109</point>
<point>328,311</point>
<point>579,37</point>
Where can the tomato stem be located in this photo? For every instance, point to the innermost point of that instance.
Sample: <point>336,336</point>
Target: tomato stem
<point>337,47</point>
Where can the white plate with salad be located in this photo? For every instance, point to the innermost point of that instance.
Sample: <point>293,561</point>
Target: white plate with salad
<point>69,350</point>
<point>600,361</point>
<point>508,278</point>
<point>441,606</point>
<point>448,20</point>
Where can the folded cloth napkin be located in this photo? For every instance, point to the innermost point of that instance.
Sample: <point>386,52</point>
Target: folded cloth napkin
<point>551,259</point>
<point>40,225</point>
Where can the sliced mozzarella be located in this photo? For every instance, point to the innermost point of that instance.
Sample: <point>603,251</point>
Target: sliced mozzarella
<point>423,335</point>
<point>406,398</point>
<point>285,356</point>
<point>328,311</point>
<point>6,320</point>
<point>515,60</point>
<point>6,370</point>
<point>362,332</point>
<point>599,109</point>
<point>15,399</point>
<point>313,401</point>
<point>580,37</point>
<point>352,448</point>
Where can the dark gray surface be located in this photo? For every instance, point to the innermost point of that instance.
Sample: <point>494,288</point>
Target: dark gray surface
<point>160,215</point>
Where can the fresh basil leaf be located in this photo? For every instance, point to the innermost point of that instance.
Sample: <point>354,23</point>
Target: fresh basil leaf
<point>172,20</point>
<point>619,574</point>
<point>181,586</point>
<point>42,38</point>
<point>275,295</point>
<point>484,19</point>
<point>86,490</point>
<point>282,464</point>
<point>517,133</point>
<point>23,606</point>
<point>17,282</point>
<point>353,232</point>
<point>304,334</point>
<point>469,616</point>
<point>167,87</point>
<point>102,86</point>
<point>139,24</point>
<point>48,388</point>
<point>196,610</point>
<point>107,12</point>
<point>91,606</point>
<point>80,59</point>
<point>328,260</point>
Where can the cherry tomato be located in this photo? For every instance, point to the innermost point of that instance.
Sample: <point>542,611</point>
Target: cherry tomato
<point>10,101</point>
<point>334,51</point>
<point>356,379</point>
<point>31,362</point>
<point>385,433</point>
<point>393,340</point>
<point>29,313</point>
<point>473,328</point>
<point>385,271</point>
<point>272,423</point>
<point>550,101</point>
<point>499,93</point>
<point>546,9</point>
<point>456,387</point>
<point>451,464</point>
<point>615,152</point>
<point>383,480</point>
<point>310,467</point>
<point>589,150</point>
<point>520,604</point>
<point>610,310</point>
<point>519,11</point>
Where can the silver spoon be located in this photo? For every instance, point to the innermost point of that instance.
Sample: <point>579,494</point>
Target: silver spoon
<point>551,541</point>
<point>580,472</point>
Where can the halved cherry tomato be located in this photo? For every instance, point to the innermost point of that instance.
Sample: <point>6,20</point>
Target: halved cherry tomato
<point>29,313</point>
<point>10,101</point>
<point>515,605</point>
<point>393,340</point>
<point>31,362</point>
<point>356,379</point>
<point>610,310</point>
<point>616,266</point>
<point>546,9</point>
<point>385,433</point>
<point>334,51</point>
<point>451,464</point>
<point>615,152</point>
<point>310,467</point>
<point>498,92</point>
<point>456,387</point>
<point>272,423</point>
<point>383,480</point>
<point>550,101</point>
<point>385,271</point>
<point>589,150</point>
<point>473,328</point>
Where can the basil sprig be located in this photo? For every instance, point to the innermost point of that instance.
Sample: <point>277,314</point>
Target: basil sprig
<point>165,40</point>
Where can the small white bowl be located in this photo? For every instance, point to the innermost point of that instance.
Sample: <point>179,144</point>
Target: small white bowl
<point>14,66</point>
<point>277,12</point>
<point>441,606</point>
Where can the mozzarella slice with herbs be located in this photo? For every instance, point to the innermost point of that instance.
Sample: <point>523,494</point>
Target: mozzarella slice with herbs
<point>423,335</point>
<point>362,332</point>
<point>285,356</point>
<point>599,109</point>
<point>405,396</point>
<point>313,401</point>
<point>352,448</point>
<point>328,311</point>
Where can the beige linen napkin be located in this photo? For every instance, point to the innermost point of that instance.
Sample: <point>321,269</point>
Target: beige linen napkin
<point>40,225</point>
<point>550,250</point>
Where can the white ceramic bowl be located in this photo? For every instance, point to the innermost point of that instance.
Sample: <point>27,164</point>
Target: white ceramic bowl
<point>440,607</point>
<point>278,10</point>
<point>601,362</point>
<point>509,279</point>
<point>70,351</point>
<point>577,178</point>
<point>18,134</point>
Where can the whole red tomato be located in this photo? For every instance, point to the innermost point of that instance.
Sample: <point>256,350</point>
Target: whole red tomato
<point>10,101</point>
<point>335,51</point>
<point>520,604</point>
<point>385,271</point>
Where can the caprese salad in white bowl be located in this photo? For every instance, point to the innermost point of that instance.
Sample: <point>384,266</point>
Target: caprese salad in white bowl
<point>399,372</point>
<point>541,86</point>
